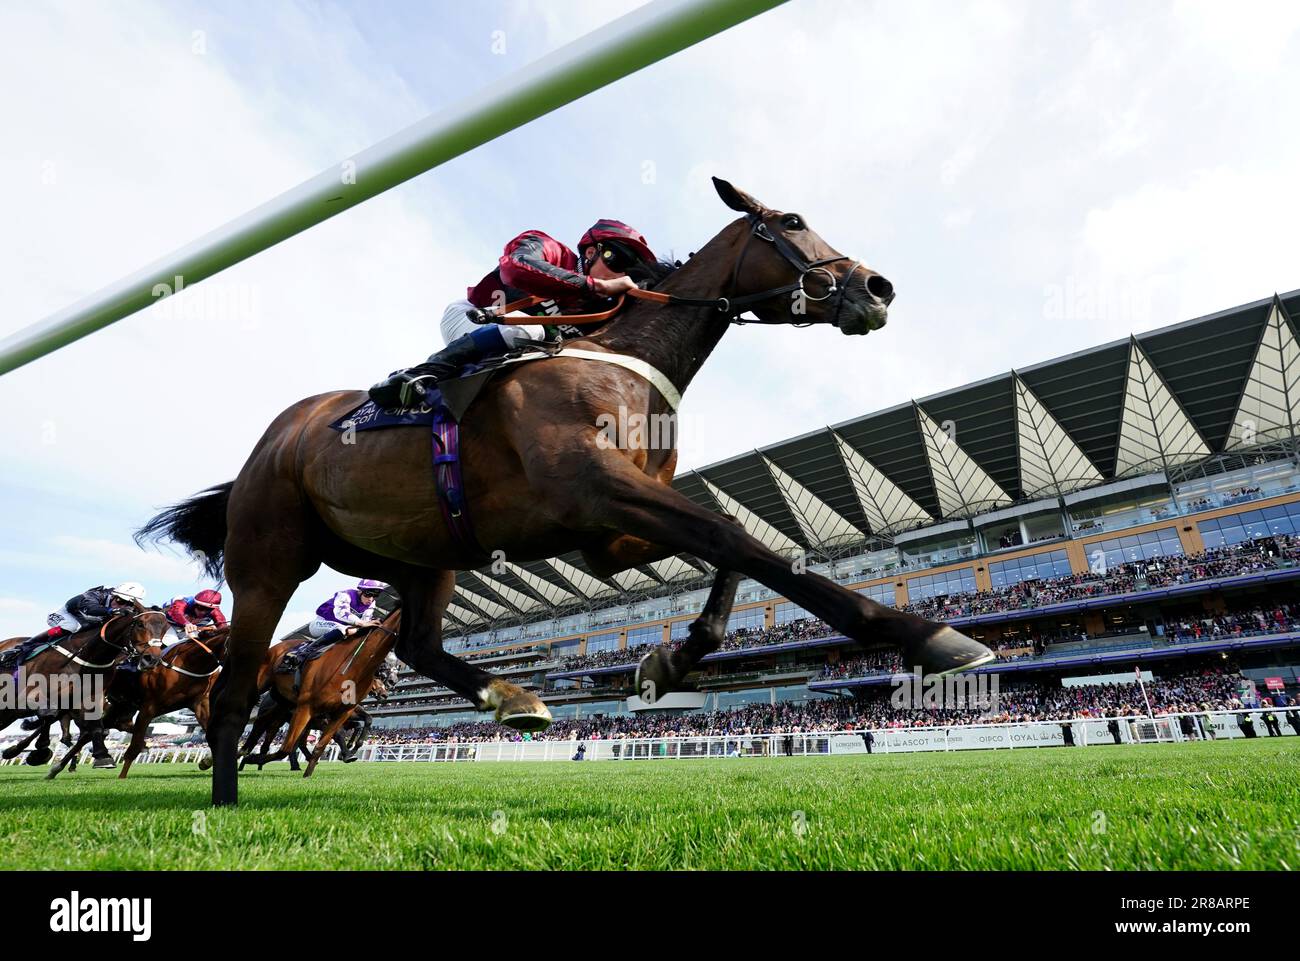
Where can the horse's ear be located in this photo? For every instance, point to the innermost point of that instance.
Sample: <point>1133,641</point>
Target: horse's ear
<point>737,199</point>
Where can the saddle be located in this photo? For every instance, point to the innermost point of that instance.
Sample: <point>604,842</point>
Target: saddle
<point>15,657</point>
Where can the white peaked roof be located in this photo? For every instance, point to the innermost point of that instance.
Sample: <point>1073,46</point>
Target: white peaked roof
<point>582,582</point>
<point>515,598</point>
<point>887,508</point>
<point>758,528</point>
<point>672,568</point>
<point>463,614</point>
<point>485,604</point>
<point>819,522</point>
<point>553,593</point>
<point>1155,432</point>
<point>1269,409</point>
<point>962,486</point>
<point>1051,463</point>
<point>633,579</point>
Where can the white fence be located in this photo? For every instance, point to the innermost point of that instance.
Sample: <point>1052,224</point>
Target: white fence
<point>1215,725</point>
<point>1128,730</point>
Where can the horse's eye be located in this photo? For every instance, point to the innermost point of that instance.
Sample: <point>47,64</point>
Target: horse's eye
<point>792,222</point>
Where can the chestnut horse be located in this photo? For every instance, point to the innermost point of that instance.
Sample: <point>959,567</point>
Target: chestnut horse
<point>540,479</point>
<point>271,716</point>
<point>182,678</point>
<point>328,687</point>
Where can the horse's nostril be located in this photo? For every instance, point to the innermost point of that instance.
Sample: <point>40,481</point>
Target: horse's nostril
<point>880,288</point>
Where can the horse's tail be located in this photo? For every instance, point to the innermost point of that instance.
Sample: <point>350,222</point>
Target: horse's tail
<point>198,523</point>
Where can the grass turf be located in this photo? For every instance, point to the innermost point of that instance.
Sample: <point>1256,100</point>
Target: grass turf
<point>1218,805</point>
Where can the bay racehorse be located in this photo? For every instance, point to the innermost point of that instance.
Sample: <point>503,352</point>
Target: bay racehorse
<point>540,478</point>
<point>39,727</point>
<point>71,674</point>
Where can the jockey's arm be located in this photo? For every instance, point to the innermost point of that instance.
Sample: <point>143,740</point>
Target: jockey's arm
<point>343,610</point>
<point>539,264</point>
<point>176,612</point>
<point>90,606</point>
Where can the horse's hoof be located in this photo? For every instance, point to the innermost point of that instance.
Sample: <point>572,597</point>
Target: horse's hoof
<point>205,763</point>
<point>39,756</point>
<point>656,675</point>
<point>948,651</point>
<point>104,762</point>
<point>349,759</point>
<point>524,712</point>
<point>10,753</point>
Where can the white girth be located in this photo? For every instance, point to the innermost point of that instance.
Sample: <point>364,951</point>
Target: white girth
<point>635,364</point>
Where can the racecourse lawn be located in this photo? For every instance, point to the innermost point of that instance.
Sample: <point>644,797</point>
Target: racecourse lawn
<point>1220,805</point>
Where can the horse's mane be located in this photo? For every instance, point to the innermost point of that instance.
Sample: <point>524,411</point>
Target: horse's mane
<point>649,276</point>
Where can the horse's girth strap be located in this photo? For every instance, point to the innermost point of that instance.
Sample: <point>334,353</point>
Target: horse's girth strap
<point>638,366</point>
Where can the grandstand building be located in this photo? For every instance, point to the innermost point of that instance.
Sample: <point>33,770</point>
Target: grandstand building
<point>1131,505</point>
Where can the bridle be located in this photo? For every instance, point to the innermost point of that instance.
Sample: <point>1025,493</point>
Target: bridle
<point>171,665</point>
<point>123,650</point>
<point>731,305</point>
<point>735,306</point>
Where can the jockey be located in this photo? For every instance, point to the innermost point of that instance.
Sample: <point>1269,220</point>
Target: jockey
<point>339,616</point>
<point>187,614</point>
<point>87,609</point>
<point>532,264</point>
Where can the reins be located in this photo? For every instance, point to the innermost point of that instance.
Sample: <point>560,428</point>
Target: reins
<point>732,305</point>
<point>103,636</point>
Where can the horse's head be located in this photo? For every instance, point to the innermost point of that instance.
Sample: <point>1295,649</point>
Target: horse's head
<point>140,635</point>
<point>786,274</point>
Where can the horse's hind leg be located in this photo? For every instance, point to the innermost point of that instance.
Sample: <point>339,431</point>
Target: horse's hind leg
<point>13,750</point>
<point>138,734</point>
<point>614,495</point>
<point>83,738</point>
<point>323,742</point>
<point>661,671</point>
<point>267,556</point>
<point>420,645</point>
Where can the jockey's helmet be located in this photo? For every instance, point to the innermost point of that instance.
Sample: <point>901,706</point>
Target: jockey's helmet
<point>617,243</point>
<point>207,598</point>
<point>130,591</point>
<point>367,586</point>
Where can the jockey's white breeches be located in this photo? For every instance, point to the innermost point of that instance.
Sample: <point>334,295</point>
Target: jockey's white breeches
<point>456,324</point>
<point>61,618</point>
<point>319,627</point>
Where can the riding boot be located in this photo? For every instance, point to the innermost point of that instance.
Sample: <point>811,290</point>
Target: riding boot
<point>405,388</point>
<point>17,655</point>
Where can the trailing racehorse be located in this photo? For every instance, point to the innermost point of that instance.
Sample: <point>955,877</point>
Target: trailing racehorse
<point>329,687</point>
<point>69,675</point>
<point>39,727</point>
<point>271,716</point>
<point>539,478</point>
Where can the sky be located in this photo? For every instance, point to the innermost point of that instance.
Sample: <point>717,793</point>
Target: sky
<point>1035,178</point>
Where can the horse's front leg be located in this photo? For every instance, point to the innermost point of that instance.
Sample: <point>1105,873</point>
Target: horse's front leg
<point>611,493</point>
<point>662,670</point>
<point>420,645</point>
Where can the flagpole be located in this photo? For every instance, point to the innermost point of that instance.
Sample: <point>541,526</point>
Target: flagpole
<point>1138,671</point>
